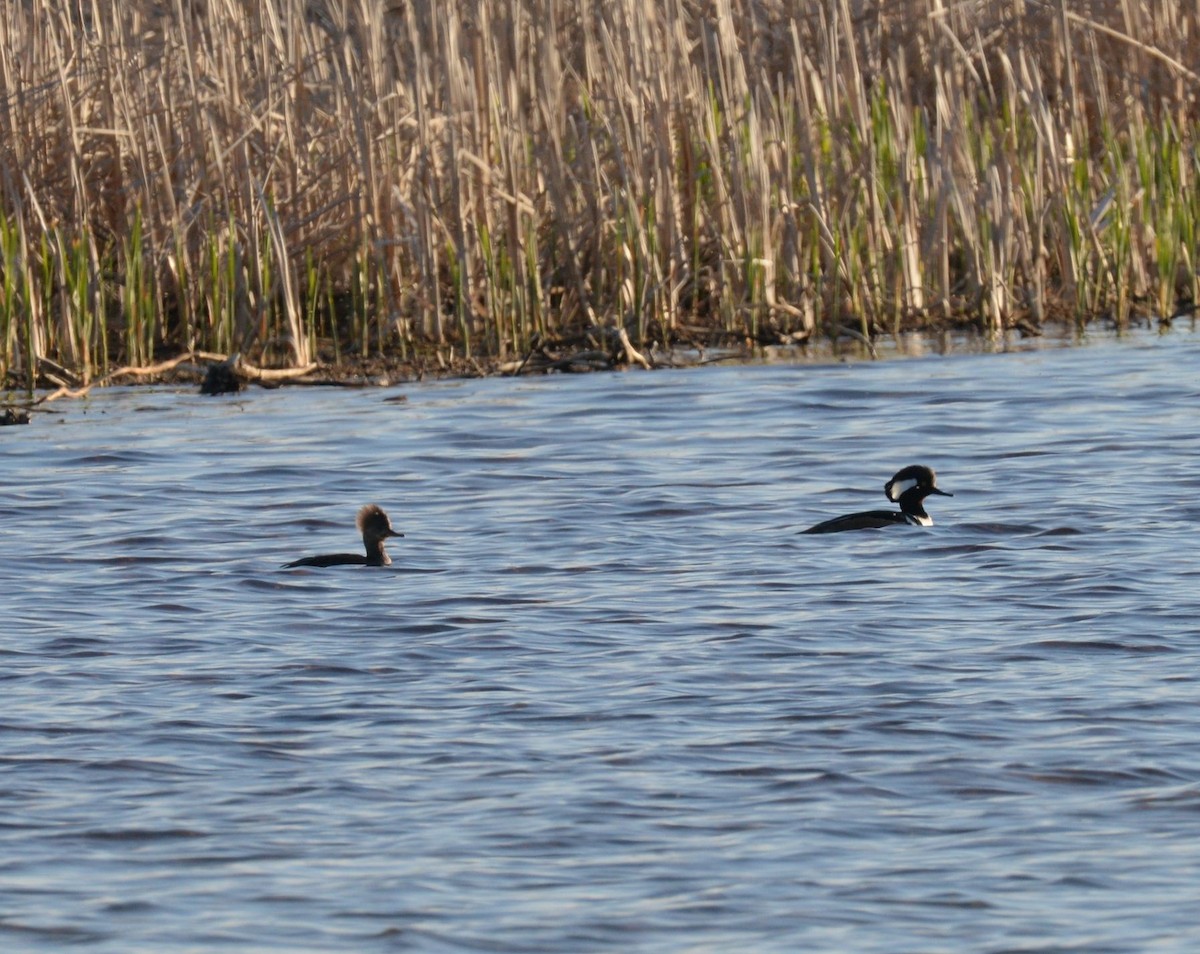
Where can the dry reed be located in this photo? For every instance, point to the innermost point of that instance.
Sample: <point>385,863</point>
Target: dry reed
<point>322,179</point>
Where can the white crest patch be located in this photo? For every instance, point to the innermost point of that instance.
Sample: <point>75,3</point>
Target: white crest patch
<point>897,487</point>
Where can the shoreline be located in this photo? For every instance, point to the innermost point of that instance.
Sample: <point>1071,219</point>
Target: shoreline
<point>216,375</point>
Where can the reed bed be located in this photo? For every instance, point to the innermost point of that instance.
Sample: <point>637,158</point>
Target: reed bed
<point>438,182</point>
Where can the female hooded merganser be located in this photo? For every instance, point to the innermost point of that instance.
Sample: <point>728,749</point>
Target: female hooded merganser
<point>375,527</point>
<point>909,488</point>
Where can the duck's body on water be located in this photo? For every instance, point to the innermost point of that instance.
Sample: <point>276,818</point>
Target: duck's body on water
<point>909,488</point>
<point>375,527</point>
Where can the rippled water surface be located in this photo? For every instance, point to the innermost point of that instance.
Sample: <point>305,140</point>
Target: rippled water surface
<point>606,698</point>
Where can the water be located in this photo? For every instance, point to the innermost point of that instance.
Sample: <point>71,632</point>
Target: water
<point>606,698</point>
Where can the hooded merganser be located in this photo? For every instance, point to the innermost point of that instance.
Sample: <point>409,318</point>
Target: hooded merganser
<point>375,527</point>
<point>909,488</point>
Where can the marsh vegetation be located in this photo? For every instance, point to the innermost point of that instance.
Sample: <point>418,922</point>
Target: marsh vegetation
<point>327,181</point>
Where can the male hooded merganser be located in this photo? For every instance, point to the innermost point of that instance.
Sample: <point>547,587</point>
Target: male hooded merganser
<point>375,527</point>
<point>909,488</point>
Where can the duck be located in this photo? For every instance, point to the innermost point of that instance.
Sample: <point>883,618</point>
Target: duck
<point>908,487</point>
<point>375,528</point>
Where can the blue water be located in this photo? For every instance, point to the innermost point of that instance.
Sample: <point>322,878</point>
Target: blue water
<point>607,698</point>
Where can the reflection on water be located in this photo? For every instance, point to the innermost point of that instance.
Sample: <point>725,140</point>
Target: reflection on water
<point>606,697</point>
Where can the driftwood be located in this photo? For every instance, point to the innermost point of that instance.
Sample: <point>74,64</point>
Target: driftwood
<point>231,374</point>
<point>247,372</point>
<point>276,374</point>
<point>543,358</point>
<point>140,371</point>
<point>632,355</point>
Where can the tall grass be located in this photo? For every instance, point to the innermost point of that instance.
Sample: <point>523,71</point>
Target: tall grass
<point>297,180</point>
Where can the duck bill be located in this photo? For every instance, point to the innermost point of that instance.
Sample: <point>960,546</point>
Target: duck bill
<point>941,493</point>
